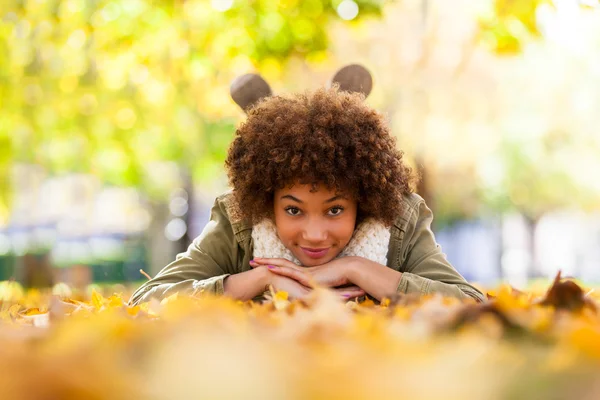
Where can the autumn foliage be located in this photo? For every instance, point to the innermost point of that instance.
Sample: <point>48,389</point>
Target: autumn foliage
<point>516,346</point>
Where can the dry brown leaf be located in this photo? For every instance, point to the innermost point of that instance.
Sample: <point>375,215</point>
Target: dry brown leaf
<point>567,295</point>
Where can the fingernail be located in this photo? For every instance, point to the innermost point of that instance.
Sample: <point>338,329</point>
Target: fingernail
<point>271,266</point>
<point>346,295</point>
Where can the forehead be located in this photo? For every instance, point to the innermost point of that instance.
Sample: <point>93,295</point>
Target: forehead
<point>308,192</point>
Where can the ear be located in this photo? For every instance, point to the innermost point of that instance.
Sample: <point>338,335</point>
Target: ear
<point>354,78</point>
<point>246,90</point>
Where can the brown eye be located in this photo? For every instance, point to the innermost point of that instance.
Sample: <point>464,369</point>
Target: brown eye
<point>293,211</point>
<point>335,211</point>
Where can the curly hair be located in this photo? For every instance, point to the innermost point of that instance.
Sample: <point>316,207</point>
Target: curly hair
<point>324,137</point>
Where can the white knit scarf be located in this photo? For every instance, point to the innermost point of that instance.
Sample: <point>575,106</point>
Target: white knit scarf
<point>369,240</point>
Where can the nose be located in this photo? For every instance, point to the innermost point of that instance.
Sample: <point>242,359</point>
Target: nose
<point>314,233</point>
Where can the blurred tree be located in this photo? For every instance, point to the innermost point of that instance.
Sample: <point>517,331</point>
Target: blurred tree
<point>131,90</point>
<point>508,24</point>
<point>449,99</point>
<point>537,177</point>
<point>112,87</point>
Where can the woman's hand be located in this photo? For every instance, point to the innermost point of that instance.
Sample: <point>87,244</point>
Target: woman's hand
<point>332,275</point>
<point>247,285</point>
<point>294,289</point>
<point>373,278</point>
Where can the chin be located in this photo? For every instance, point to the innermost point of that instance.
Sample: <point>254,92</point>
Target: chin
<point>312,262</point>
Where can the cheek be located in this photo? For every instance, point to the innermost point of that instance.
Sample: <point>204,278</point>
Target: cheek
<point>344,229</point>
<point>286,235</point>
<point>286,231</point>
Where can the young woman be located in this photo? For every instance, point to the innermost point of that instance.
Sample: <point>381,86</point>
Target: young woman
<point>321,196</point>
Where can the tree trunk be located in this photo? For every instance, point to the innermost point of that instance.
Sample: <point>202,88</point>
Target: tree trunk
<point>183,243</point>
<point>36,270</point>
<point>534,270</point>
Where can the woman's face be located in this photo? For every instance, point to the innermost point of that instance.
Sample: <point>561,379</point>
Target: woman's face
<point>314,226</point>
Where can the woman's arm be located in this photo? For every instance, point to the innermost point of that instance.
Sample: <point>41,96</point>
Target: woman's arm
<point>424,267</point>
<point>209,259</point>
<point>248,285</point>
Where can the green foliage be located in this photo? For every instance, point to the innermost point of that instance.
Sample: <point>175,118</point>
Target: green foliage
<point>536,178</point>
<point>109,87</point>
<point>509,24</point>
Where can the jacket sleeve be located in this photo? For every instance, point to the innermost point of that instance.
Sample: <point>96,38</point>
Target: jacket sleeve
<point>425,268</point>
<point>209,259</point>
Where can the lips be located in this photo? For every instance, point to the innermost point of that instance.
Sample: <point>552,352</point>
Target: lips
<point>315,253</point>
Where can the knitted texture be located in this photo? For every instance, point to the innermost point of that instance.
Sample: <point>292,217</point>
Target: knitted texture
<point>370,240</point>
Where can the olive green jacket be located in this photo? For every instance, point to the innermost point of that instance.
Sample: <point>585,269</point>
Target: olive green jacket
<point>225,247</point>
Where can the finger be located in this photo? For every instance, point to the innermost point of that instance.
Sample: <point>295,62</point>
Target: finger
<point>275,261</point>
<point>299,294</point>
<point>350,293</point>
<point>292,273</point>
<point>279,262</point>
<point>294,289</point>
<point>348,288</point>
<point>351,296</point>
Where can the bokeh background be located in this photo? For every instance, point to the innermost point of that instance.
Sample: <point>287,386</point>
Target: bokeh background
<point>115,118</point>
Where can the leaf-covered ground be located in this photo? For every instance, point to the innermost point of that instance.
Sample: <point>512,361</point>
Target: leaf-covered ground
<point>516,346</point>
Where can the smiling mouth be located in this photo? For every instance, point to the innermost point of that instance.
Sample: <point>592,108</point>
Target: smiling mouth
<point>315,253</point>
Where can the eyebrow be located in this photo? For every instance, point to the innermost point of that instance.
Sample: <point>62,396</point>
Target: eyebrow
<point>334,198</point>
<point>297,200</point>
<point>289,196</point>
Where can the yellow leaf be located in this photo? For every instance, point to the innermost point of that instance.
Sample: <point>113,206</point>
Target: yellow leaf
<point>115,301</point>
<point>281,296</point>
<point>97,300</point>
<point>133,311</point>
<point>587,339</point>
<point>280,300</point>
<point>368,303</point>
<point>33,311</point>
<point>14,309</point>
<point>508,299</point>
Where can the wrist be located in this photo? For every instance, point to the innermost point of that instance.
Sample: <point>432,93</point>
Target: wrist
<point>247,285</point>
<point>353,271</point>
<point>263,279</point>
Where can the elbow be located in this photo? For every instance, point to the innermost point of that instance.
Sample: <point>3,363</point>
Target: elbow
<point>469,292</point>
